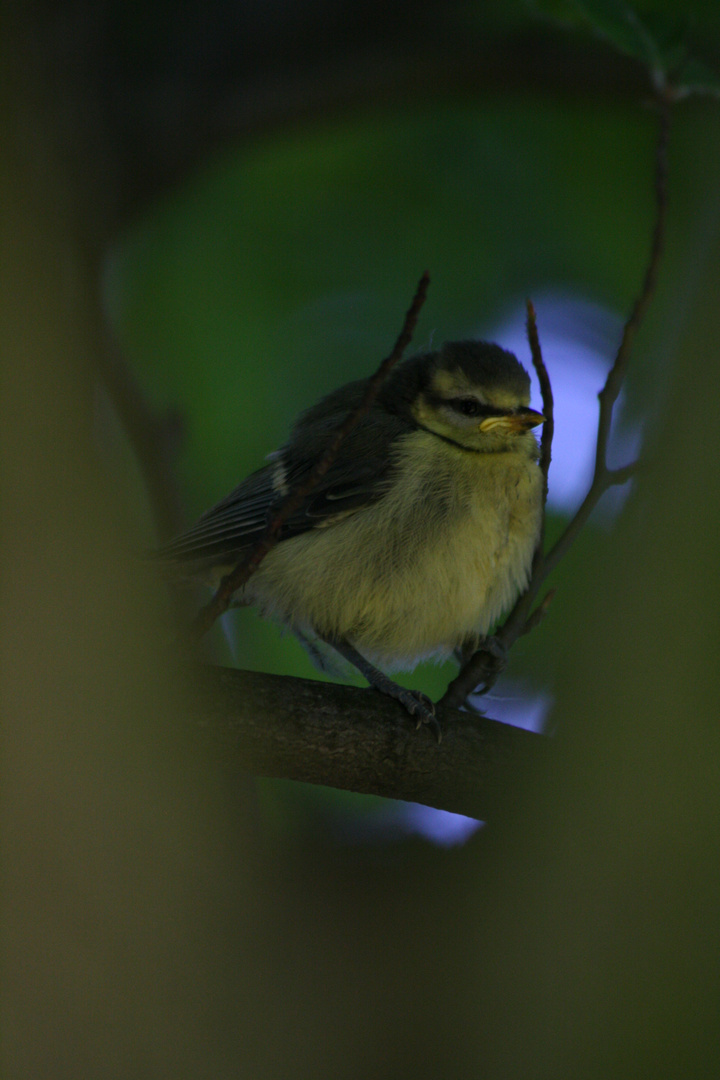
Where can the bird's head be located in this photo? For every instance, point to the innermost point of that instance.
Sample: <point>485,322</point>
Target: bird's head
<point>472,393</point>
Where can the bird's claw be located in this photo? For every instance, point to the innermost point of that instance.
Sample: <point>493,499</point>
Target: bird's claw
<point>495,648</point>
<point>494,655</point>
<point>422,707</point>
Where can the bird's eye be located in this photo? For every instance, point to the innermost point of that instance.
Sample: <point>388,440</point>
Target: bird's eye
<point>468,406</point>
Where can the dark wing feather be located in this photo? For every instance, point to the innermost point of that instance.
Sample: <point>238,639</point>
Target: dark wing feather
<point>357,477</point>
<point>232,524</point>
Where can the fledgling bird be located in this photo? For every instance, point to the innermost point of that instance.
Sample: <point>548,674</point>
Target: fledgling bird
<point>422,531</point>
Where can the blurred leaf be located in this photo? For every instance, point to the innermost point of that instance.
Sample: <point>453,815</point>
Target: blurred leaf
<point>657,39</point>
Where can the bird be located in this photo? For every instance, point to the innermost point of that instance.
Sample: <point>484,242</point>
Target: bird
<point>418,537</point>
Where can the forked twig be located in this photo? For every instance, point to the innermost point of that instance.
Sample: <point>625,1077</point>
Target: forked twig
<point>603,476</point>
<point>483,668</point>
<point>247,566</point>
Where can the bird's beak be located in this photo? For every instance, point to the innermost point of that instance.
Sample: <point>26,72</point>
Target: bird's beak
<point>517,422</point>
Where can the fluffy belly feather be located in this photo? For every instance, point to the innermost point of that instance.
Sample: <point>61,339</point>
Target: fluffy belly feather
<point>434,562</point>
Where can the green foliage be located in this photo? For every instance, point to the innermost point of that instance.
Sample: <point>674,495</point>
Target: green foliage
<point>658,39</point>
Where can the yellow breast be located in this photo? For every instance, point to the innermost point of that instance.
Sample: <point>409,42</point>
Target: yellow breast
<point>437,559</point>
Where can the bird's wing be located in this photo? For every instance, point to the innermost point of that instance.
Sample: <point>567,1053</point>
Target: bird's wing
<point>357,477</point>
<point>229,526</point>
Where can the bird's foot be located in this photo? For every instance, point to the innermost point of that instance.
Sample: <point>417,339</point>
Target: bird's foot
<point>416,703</point>
<point>494,657</point>
<point>422,707</point>
<point>494,647</point>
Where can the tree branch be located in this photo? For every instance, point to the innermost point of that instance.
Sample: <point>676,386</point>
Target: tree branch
<point>359,740</point>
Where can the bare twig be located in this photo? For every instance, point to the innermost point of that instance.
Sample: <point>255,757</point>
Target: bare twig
<point>251,561</point>
<point>613,383</point>
<point>603,476</point>
<point>546,391</point>
<point>539,613</point>
<point>488,662</point>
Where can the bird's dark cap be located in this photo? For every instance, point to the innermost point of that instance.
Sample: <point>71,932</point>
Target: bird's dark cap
<point>482,362</point>
<point>485,364</point>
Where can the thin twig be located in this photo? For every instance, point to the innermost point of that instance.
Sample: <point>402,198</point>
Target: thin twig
<point>252,559</point>
<point>604,477</point>
<point>540,612</point>
<point>610,392</point>
<point>484,667</point>
<point>546,391</point>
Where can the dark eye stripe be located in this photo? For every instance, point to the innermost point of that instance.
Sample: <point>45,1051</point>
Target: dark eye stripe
<point>469,406</point>
<point>466,406</point>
